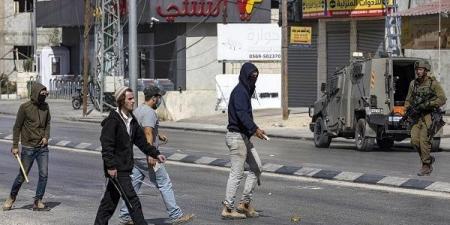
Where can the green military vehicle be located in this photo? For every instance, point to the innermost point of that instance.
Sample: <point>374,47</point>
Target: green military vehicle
<point>365,101</point>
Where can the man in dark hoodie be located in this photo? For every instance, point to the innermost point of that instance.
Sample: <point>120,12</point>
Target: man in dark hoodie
<point>241,128</point>
<point>32,127</point>
<point>120,131</point>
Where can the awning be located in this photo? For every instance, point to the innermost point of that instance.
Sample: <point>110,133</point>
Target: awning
<point>427,9</point>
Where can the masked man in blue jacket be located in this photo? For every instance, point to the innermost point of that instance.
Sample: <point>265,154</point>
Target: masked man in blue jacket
<point>241,128</point>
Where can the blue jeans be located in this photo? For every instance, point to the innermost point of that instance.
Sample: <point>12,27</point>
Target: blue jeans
<point>28,155</point>
<point>159,179</point>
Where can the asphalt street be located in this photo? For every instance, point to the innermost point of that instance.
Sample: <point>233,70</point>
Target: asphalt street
<point>402,161</point>
<point>76,184</point>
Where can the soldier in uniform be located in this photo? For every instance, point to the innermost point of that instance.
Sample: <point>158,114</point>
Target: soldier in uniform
<point>425,94</point>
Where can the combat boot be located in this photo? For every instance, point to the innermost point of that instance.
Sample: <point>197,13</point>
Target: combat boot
<point>39,205</point>
<point>247,209</point>
<point>425,171</point>
<point>9,203</point>
<point>231,214</point>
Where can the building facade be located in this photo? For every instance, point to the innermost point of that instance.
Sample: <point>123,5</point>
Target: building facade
<point>16,32</point>
<point>421,36</point>
<point>337,29</point>
<point>177,41</point>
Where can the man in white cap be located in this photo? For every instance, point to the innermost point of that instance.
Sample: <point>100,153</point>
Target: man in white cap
<point>119,133</point>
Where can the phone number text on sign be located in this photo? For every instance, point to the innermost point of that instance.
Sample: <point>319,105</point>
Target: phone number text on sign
<point>264,56</point>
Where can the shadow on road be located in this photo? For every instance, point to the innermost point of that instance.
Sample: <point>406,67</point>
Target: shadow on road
<point>50,206</point>
<point>400,147</point>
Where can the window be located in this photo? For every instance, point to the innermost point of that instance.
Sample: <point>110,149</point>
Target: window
<point>21,6</point>
<point>56,65</point>
<point>23,52</point>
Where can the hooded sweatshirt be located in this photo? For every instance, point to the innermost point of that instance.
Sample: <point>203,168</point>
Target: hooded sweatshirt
<point>32,120</point>
<point>117,144</point>
<point>240,116</point>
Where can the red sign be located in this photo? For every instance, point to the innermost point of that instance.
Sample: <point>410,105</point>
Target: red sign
<point>205,8</point>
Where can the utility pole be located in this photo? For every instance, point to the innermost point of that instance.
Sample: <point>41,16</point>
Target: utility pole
<point>35,59</point>
<point>87,27</point>
<point>132,47</point>
<point>284,58</point>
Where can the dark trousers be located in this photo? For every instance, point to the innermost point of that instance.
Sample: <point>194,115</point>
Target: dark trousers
<point>111,199</point>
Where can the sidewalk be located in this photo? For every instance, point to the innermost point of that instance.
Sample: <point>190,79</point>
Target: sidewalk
<point>296,127</point>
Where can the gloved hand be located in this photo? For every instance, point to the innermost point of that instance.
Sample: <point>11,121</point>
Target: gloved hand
<point>424,106</point>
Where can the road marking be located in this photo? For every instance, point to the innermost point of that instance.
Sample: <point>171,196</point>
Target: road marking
<point>348,176</point>
<point>427,193</point>
<point>269,167</point>
<point>177,156</point>
<point>307,171</point>
<point>9,137</point>
<point>439,186</point>
<point>393,181</point>
<point>83,145</point>
<point>205,160</point>
<point>436,190</point>
<point>62,143</point>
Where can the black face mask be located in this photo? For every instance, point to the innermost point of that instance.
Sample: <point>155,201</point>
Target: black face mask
<point>41,99</point>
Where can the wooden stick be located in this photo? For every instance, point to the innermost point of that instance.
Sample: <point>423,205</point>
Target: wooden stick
<point>21,167</point>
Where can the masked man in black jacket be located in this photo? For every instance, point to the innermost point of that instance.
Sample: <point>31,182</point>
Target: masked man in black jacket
<point>120,131</point>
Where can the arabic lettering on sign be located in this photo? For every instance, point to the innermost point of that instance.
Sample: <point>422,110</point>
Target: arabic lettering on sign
<point>335,5</point>
<point>191,8</point>
<point>310,6</point>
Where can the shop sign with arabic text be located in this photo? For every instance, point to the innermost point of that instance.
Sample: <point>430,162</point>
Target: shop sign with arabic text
<point>343,8</point>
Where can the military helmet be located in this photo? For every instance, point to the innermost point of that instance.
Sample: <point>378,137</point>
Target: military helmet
<point>422,64</point>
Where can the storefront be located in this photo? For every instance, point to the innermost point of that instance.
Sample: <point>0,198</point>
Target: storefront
<point>339,27</point>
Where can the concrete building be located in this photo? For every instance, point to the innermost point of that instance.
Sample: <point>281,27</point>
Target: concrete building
<point>336,31</point>
<point>340,28</point>
<point>16,33</point>
<point>181,47</point>
<point>420,36</point>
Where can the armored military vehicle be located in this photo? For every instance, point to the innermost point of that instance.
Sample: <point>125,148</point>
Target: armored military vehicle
<point>365,101</point>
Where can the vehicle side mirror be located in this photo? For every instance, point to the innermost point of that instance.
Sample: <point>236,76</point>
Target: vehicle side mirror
<point>323,87</point>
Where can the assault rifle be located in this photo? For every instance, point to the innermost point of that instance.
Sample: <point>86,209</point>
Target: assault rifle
<point>413,113</point>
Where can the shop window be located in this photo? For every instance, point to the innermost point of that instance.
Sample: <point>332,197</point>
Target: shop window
<point>23,52</point>
<point>56,65</point>
<point>21,6</point>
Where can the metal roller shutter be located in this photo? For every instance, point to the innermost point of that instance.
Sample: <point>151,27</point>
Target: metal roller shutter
<point>302,70</point>
<point>338,47</point>
<point>370,36</point>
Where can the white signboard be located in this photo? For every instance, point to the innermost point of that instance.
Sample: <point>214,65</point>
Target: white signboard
<point>248,42</point>
<point>267,92</point>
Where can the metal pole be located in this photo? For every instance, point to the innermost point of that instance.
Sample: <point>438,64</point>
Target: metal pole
<point>35,39</point>
<point>439,43</point>
<point>132,46</point>
<point>284,57</point>
<point>87,26</point>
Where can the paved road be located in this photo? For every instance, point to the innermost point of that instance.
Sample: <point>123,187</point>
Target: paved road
<point>400,162</point>
<point>76,184</point>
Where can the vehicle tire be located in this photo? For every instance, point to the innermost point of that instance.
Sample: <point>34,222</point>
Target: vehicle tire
<point>321,138</point>
<point>385,143</point>
<point>76,104</point>
<point>435,144</point>
<point>362,142</point>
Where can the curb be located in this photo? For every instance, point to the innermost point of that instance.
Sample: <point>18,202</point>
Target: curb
<point>300,171</point>
<point>211,130</point>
